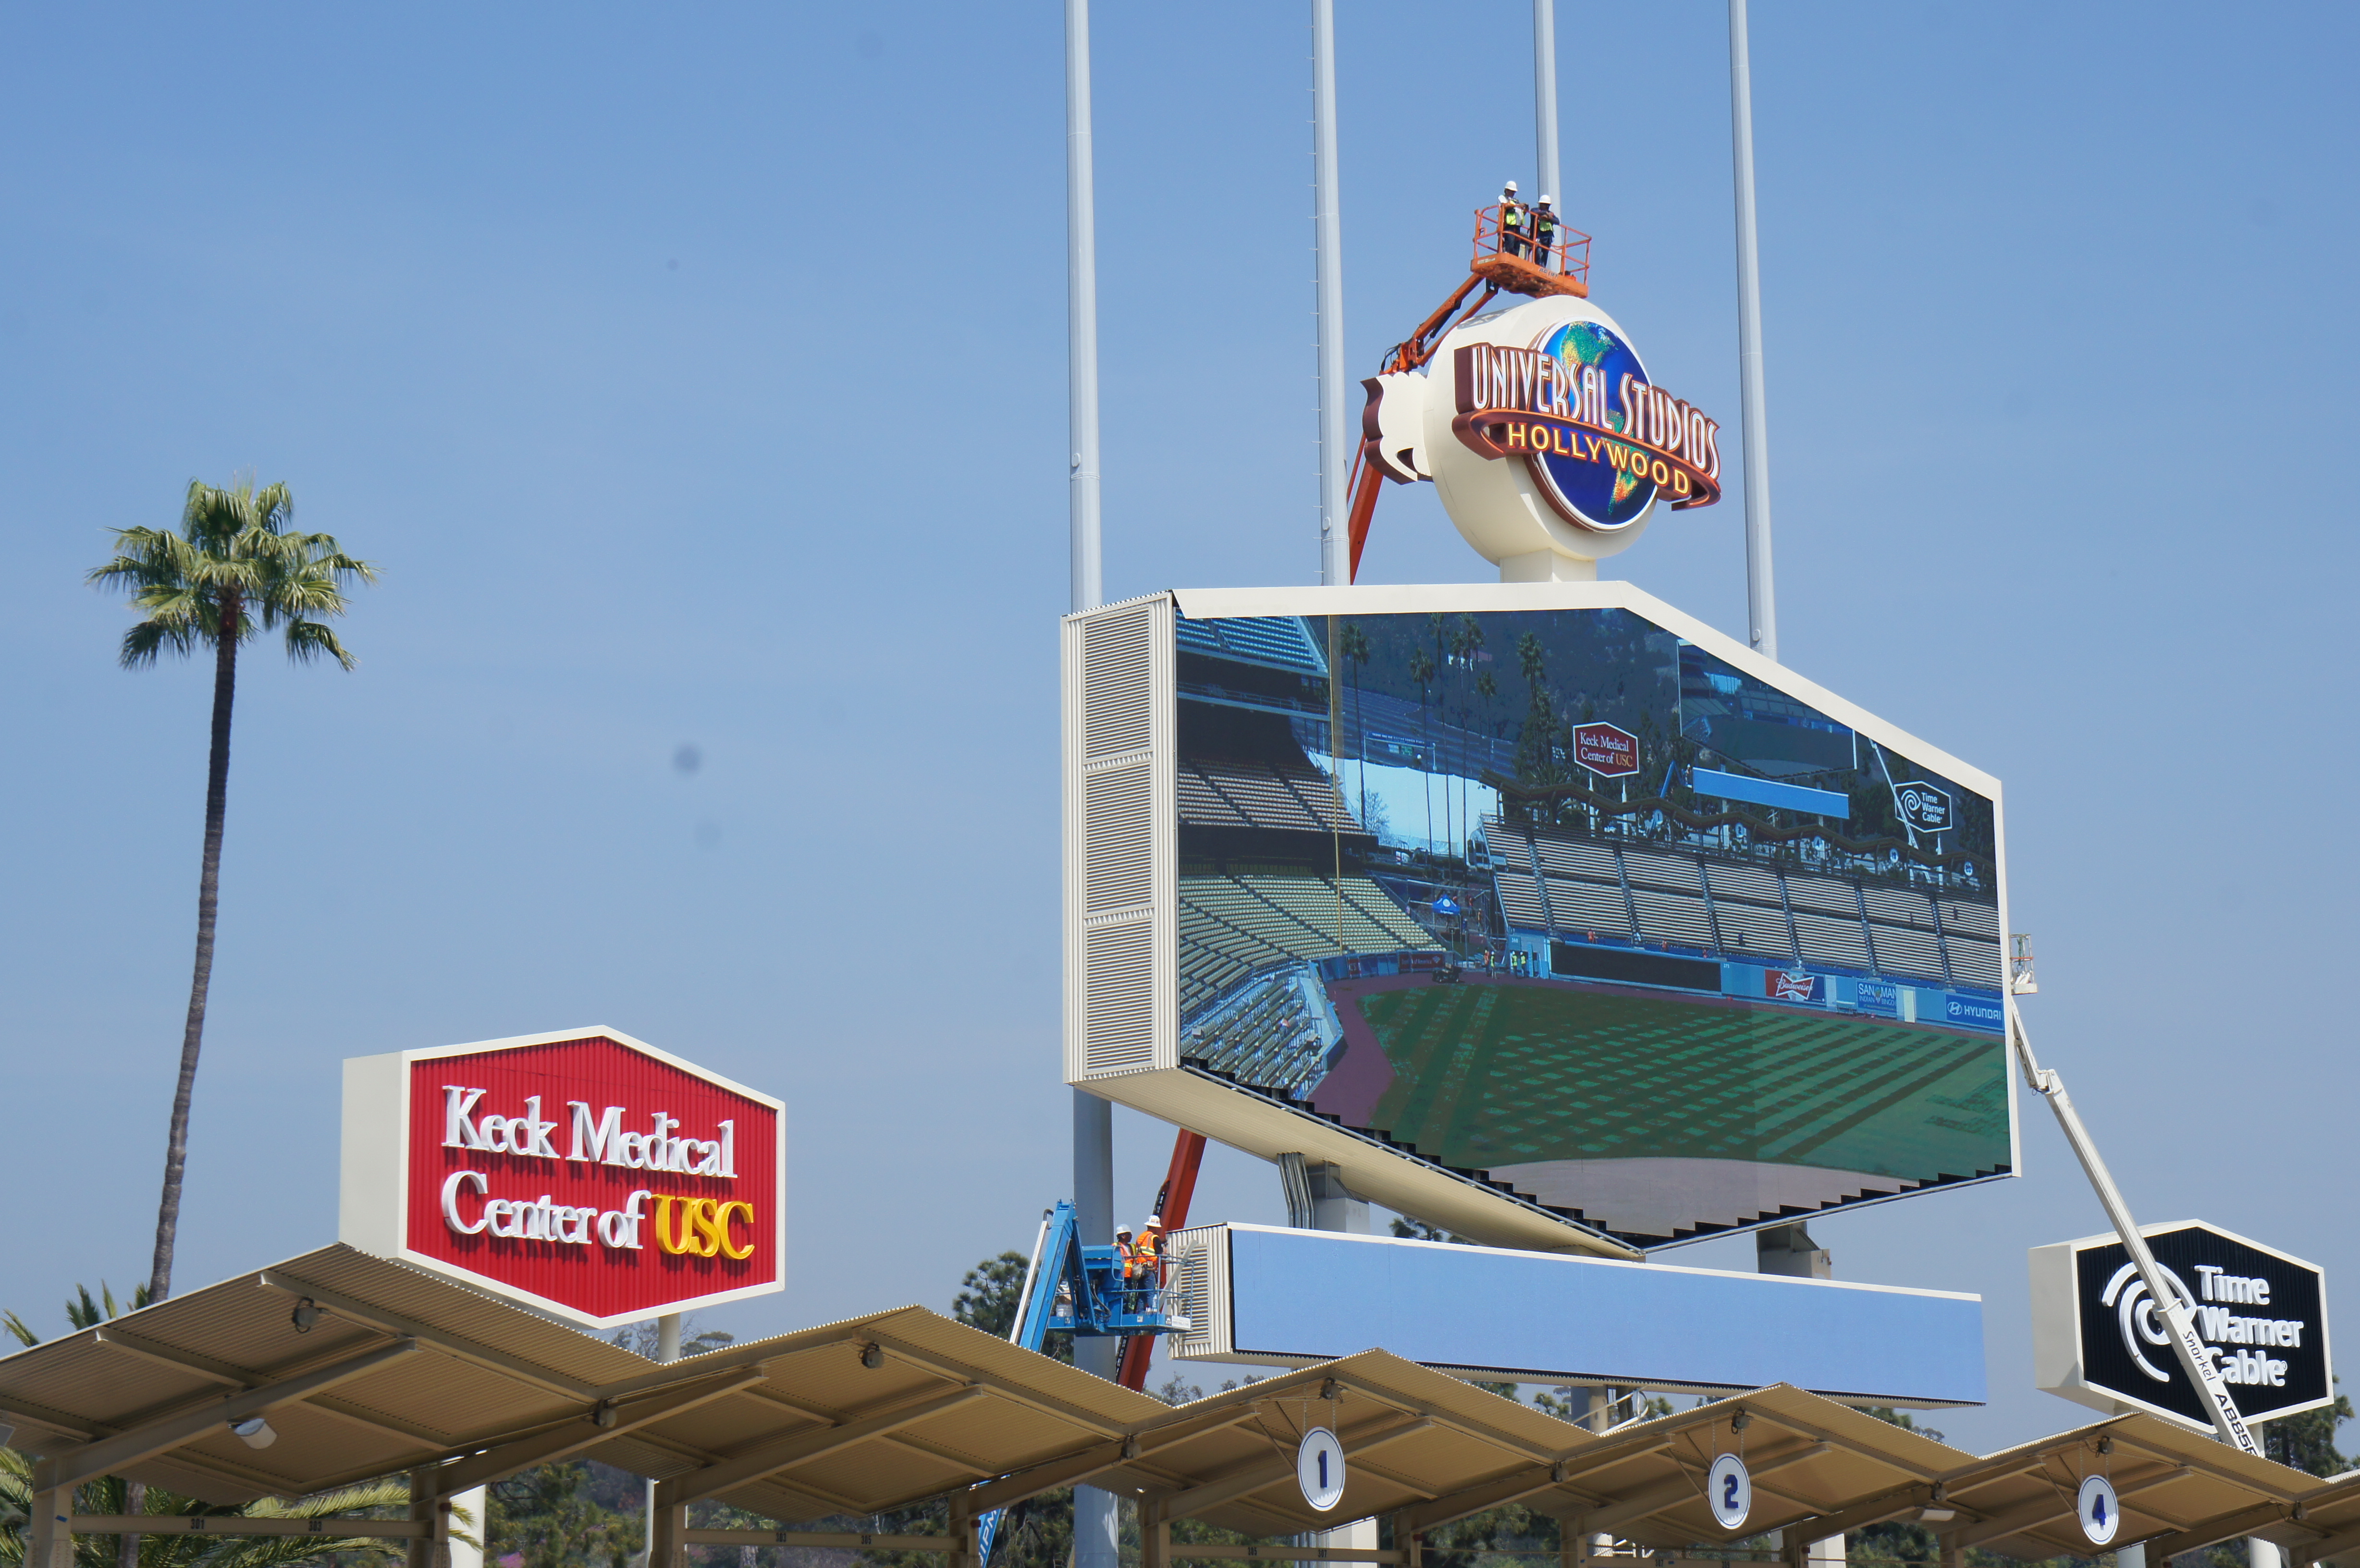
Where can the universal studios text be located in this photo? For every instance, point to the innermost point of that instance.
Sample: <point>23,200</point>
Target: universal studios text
<point>1647,434</point>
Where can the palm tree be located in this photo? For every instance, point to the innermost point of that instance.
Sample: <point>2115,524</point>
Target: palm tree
<point>234,569</point>
<point>1357,653</point>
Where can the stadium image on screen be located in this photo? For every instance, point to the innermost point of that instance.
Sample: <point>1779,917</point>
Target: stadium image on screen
<point>1565,904</point>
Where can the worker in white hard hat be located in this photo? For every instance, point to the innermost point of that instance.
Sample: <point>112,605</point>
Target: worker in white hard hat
<point>1513,241</point>
<point>1149,1253</point>
<point>1128,1256</point>
<point>1543,231</point>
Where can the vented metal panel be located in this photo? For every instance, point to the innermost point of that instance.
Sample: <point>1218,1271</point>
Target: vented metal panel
<point>1117,699</point>
<point>1118,1027</point>
<point>1120,804</point>
<point>1117,807</point>
<point>1201,1268</point>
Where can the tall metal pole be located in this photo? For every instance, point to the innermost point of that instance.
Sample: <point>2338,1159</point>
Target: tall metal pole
<point>1096,1542</point>
<point>1081,310</point>
<point>1761,594</point>
<point>1335,391</point>
<point>1545,102</point>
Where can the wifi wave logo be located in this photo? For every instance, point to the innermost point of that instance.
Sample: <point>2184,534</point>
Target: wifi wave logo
<point>2136,1315</point>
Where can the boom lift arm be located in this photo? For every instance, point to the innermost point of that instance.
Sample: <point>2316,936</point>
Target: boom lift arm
<point>1072,1289</point>
<point>2179,1319</point>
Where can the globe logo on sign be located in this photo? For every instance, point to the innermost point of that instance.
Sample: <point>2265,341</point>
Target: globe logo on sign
<point>1601,494</point>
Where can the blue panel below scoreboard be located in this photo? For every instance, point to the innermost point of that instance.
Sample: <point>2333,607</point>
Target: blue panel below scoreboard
<point>1294,1297</point>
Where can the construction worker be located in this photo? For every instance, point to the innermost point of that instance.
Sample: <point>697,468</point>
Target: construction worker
<point>1128,1256</point>
<point>1543,231</point>
<point>1511,223</point>
<point>1149,1252</point>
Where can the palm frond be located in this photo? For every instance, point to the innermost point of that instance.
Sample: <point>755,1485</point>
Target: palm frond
<point>15,1328</point>
<point>306,641</point>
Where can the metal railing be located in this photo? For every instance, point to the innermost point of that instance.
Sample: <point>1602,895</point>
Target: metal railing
<point>1566,251</point>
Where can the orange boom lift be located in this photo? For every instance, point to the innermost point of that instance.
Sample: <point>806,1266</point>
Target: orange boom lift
<point>1560,268</point>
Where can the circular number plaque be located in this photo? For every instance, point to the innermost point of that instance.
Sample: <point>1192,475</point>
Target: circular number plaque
<point>2100,1510</point>
<point>1730,1489</point>
<point>1319,1468</point>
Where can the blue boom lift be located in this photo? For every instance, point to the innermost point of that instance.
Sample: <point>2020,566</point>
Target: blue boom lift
<point>1072,1289</point>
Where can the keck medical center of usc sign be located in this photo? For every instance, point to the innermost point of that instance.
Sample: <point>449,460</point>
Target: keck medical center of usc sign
<point>582,1172</point>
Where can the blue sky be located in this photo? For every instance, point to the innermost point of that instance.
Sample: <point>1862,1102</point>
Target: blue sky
<point>696,377</point>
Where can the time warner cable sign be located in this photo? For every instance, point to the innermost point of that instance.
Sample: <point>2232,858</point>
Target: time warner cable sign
<point>584,1173</point>
<point>2262,1314</point>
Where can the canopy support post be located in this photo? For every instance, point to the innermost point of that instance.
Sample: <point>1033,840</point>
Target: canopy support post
<point>52,1543</point>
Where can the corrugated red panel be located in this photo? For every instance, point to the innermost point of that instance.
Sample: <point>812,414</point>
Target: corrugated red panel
<point>572,1238</point>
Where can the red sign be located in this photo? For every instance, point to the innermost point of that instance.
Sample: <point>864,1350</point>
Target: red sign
<point>582,1172</point>
<point>1606,749</point>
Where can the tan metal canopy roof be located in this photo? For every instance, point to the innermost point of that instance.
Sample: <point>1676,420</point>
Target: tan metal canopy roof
<point>400,1369</point>
<point>2325,1524</point>
<point>2180,1490</point>
<point>403,1371</point>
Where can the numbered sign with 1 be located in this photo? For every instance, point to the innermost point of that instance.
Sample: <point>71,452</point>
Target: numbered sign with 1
<point>1729,1487</point>
<point>1319,1468</point>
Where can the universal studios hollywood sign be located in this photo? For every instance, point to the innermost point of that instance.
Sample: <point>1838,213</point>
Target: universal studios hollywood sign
<point>584,1173</point>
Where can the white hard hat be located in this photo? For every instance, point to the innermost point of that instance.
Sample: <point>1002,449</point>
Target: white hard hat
<point>1510,186</point>
<point>1123,1230</point>
<point>1545,200</point>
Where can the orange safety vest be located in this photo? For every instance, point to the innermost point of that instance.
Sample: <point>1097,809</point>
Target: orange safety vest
<point>1146,1251</point>
<point>1130,1255</point>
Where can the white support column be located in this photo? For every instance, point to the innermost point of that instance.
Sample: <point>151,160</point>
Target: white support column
<point>1336,1207</point>
<point>1761,594</point>
<point>1544,103</point>
<point>1096,1527</point>
<point>1081,313</point>
<point>473,1502</point>
<point>667,1351</point>
<point>1335,391</point>
<point>1788,1249</point>
<point>2131,1556</point>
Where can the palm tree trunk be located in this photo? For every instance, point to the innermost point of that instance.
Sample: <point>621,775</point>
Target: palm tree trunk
<point>176,1155</point>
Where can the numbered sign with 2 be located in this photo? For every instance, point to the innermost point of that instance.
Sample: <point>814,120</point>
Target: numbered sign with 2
<point>1319,1468</point>
<point>1729,1487</point>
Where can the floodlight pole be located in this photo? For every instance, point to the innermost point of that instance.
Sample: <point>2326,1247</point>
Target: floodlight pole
<point>1761,596</point>
<point>1094,1523</point>
<point>1334,392</point>
<point>1081,313</point>
<point>2179,1320</point>
<point>1545,102</point>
